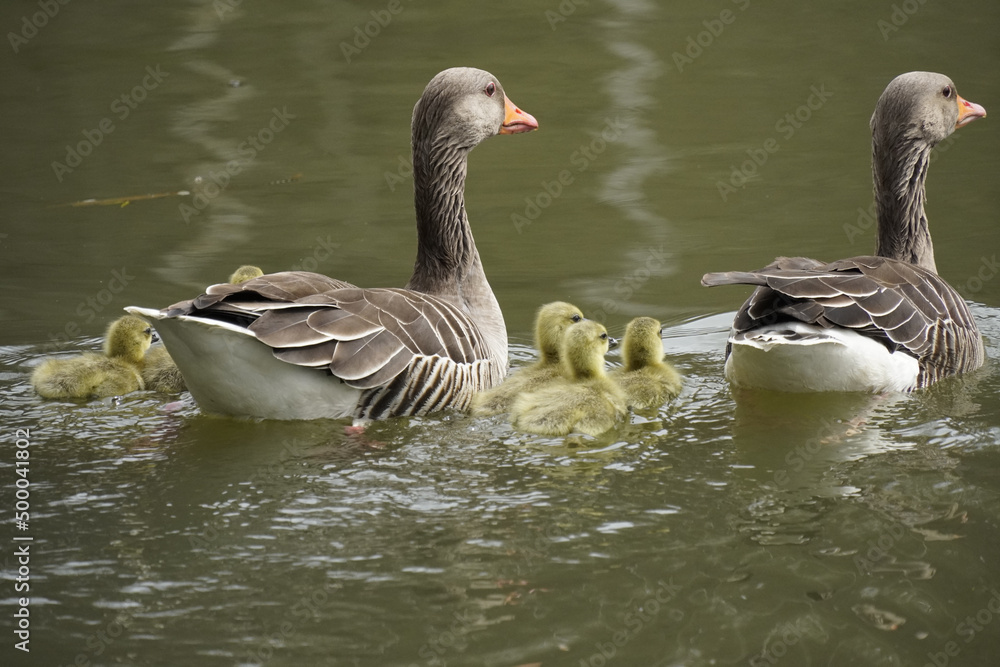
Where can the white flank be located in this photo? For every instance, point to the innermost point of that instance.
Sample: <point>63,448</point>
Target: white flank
<point>801,357</point>
<point>228,371</point>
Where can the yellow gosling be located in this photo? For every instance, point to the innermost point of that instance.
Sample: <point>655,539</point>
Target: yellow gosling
<point>245,273</point>
<point>92,375</point>
<point>551,323</point>
<point>583,398</point>
<point>648,381</point>
<point>160,373</point>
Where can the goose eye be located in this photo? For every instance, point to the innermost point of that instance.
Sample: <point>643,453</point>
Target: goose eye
<point>490,89</point>
<point>946,92</point>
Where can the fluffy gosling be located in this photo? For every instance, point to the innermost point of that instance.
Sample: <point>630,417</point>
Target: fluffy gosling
<point>583,398</point>
<point>648,381</point>
<point>92,375</point>
<point>551,323</point>
<point>245,273</point>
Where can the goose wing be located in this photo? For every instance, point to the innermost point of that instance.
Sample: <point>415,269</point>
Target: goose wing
<point>900,305</point>
<point>407,351</point>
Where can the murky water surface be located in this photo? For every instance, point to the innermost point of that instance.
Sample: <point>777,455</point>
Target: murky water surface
<point>727,528</point>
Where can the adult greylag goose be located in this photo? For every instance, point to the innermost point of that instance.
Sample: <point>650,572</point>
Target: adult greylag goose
<point>550,325</point>
<point>298,345</point>
<point>583,398</point>
<point>647,380</point>
<point>876,323</point>
<point>91,375</point>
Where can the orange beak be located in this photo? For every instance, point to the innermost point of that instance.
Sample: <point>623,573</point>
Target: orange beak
<point>516,121</point>
<point>968,112</point>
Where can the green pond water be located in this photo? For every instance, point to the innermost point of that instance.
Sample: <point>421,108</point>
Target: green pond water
<point>675,138</point>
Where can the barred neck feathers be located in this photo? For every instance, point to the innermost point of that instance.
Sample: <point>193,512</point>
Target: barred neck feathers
<point>916,111</point>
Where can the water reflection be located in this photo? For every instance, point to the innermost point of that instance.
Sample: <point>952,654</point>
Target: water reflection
<point>641,163</point>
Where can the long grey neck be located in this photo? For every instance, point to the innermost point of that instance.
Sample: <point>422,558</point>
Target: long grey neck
<point>899,176</point>
<point>448,264</point>
<point>445,247</point>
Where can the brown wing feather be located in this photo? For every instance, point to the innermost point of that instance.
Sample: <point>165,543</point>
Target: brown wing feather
<point>899,304</point>
<point>365,337</point>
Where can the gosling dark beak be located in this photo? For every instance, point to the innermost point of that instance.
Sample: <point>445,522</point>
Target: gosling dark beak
<point>968,112</point>
<point>155,338</point>
<point>612,343</point>
<point>516,121</point>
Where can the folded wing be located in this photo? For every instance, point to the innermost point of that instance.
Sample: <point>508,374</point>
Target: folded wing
<point>902,306</point>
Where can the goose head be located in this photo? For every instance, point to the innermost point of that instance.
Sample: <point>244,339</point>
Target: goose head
<point>245,273</point>
<point>550,325</point>
<point>916,111</point>
<point>922,107</point>
<point>463,106</point>
<point>643,345</point>
<point>128,338</point>
<point>583,348</point>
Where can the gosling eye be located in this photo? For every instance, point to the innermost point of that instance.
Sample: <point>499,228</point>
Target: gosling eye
<point>490,89</point>
<point>947,92</point>
<point>148,331</point>
<point>604,336</point>
<point>576,318</point>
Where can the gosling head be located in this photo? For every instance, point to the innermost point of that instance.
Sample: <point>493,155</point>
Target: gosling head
<point>643,345</point>
<point>128,338</point>
<point>584,346</point>
<point>245,273</point>
<point>550,324</point>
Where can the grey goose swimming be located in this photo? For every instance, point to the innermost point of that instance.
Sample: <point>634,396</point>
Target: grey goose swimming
<point>298,345</point>
<point>875,323</point>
